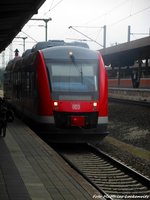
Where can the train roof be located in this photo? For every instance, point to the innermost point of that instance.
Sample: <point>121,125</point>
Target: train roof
<point>53,46</point>
<point>53,43</point>
<point>74,52</point>
<point>26,53</point>
<point>78,44</point>
<point>50,43</point>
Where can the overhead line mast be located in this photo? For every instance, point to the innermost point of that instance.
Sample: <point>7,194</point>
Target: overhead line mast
<point>46,21</point>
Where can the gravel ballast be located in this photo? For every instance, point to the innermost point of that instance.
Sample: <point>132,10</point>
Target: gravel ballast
<point>129,138</point>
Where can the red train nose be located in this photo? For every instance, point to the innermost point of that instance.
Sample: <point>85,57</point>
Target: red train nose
<point>77,121</point>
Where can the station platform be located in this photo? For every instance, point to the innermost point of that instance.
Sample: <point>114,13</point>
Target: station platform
<point>31,169</point>
<point>133,94</point>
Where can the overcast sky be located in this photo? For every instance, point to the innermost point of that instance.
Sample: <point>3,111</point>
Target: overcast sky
<point>88,17</point>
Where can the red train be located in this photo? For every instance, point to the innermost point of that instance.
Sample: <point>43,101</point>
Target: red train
<point>61,89</point>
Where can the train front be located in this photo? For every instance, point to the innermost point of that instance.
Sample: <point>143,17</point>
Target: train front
<point>78,92</point>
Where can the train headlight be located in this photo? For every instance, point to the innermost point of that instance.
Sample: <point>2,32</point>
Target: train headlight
<point>55,103</point>
<point>70,53</point>
<point>95,104</point>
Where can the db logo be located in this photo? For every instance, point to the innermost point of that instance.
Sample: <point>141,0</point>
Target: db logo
<point>76,106</point>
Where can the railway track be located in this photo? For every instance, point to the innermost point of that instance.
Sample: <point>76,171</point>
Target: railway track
<point>127,101</point>
<point>113,179</point>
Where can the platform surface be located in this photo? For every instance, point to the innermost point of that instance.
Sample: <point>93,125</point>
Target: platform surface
<point>134,94</point>
<point>31,169</point>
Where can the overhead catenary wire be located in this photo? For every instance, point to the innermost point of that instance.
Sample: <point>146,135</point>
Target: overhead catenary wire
<point>55,5</point>
<point>52,7</point>
<point>29,36</point>
<point>130,15</point>
<point>88,27</point>
<point>92,27</point>
<point>108,12</point>
<point>71,27</point>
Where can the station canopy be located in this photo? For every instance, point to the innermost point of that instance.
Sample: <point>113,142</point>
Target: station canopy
<point>126,54</point>
<point>14,14</point>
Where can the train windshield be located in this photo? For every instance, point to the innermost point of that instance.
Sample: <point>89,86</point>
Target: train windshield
<point>74,81</point>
